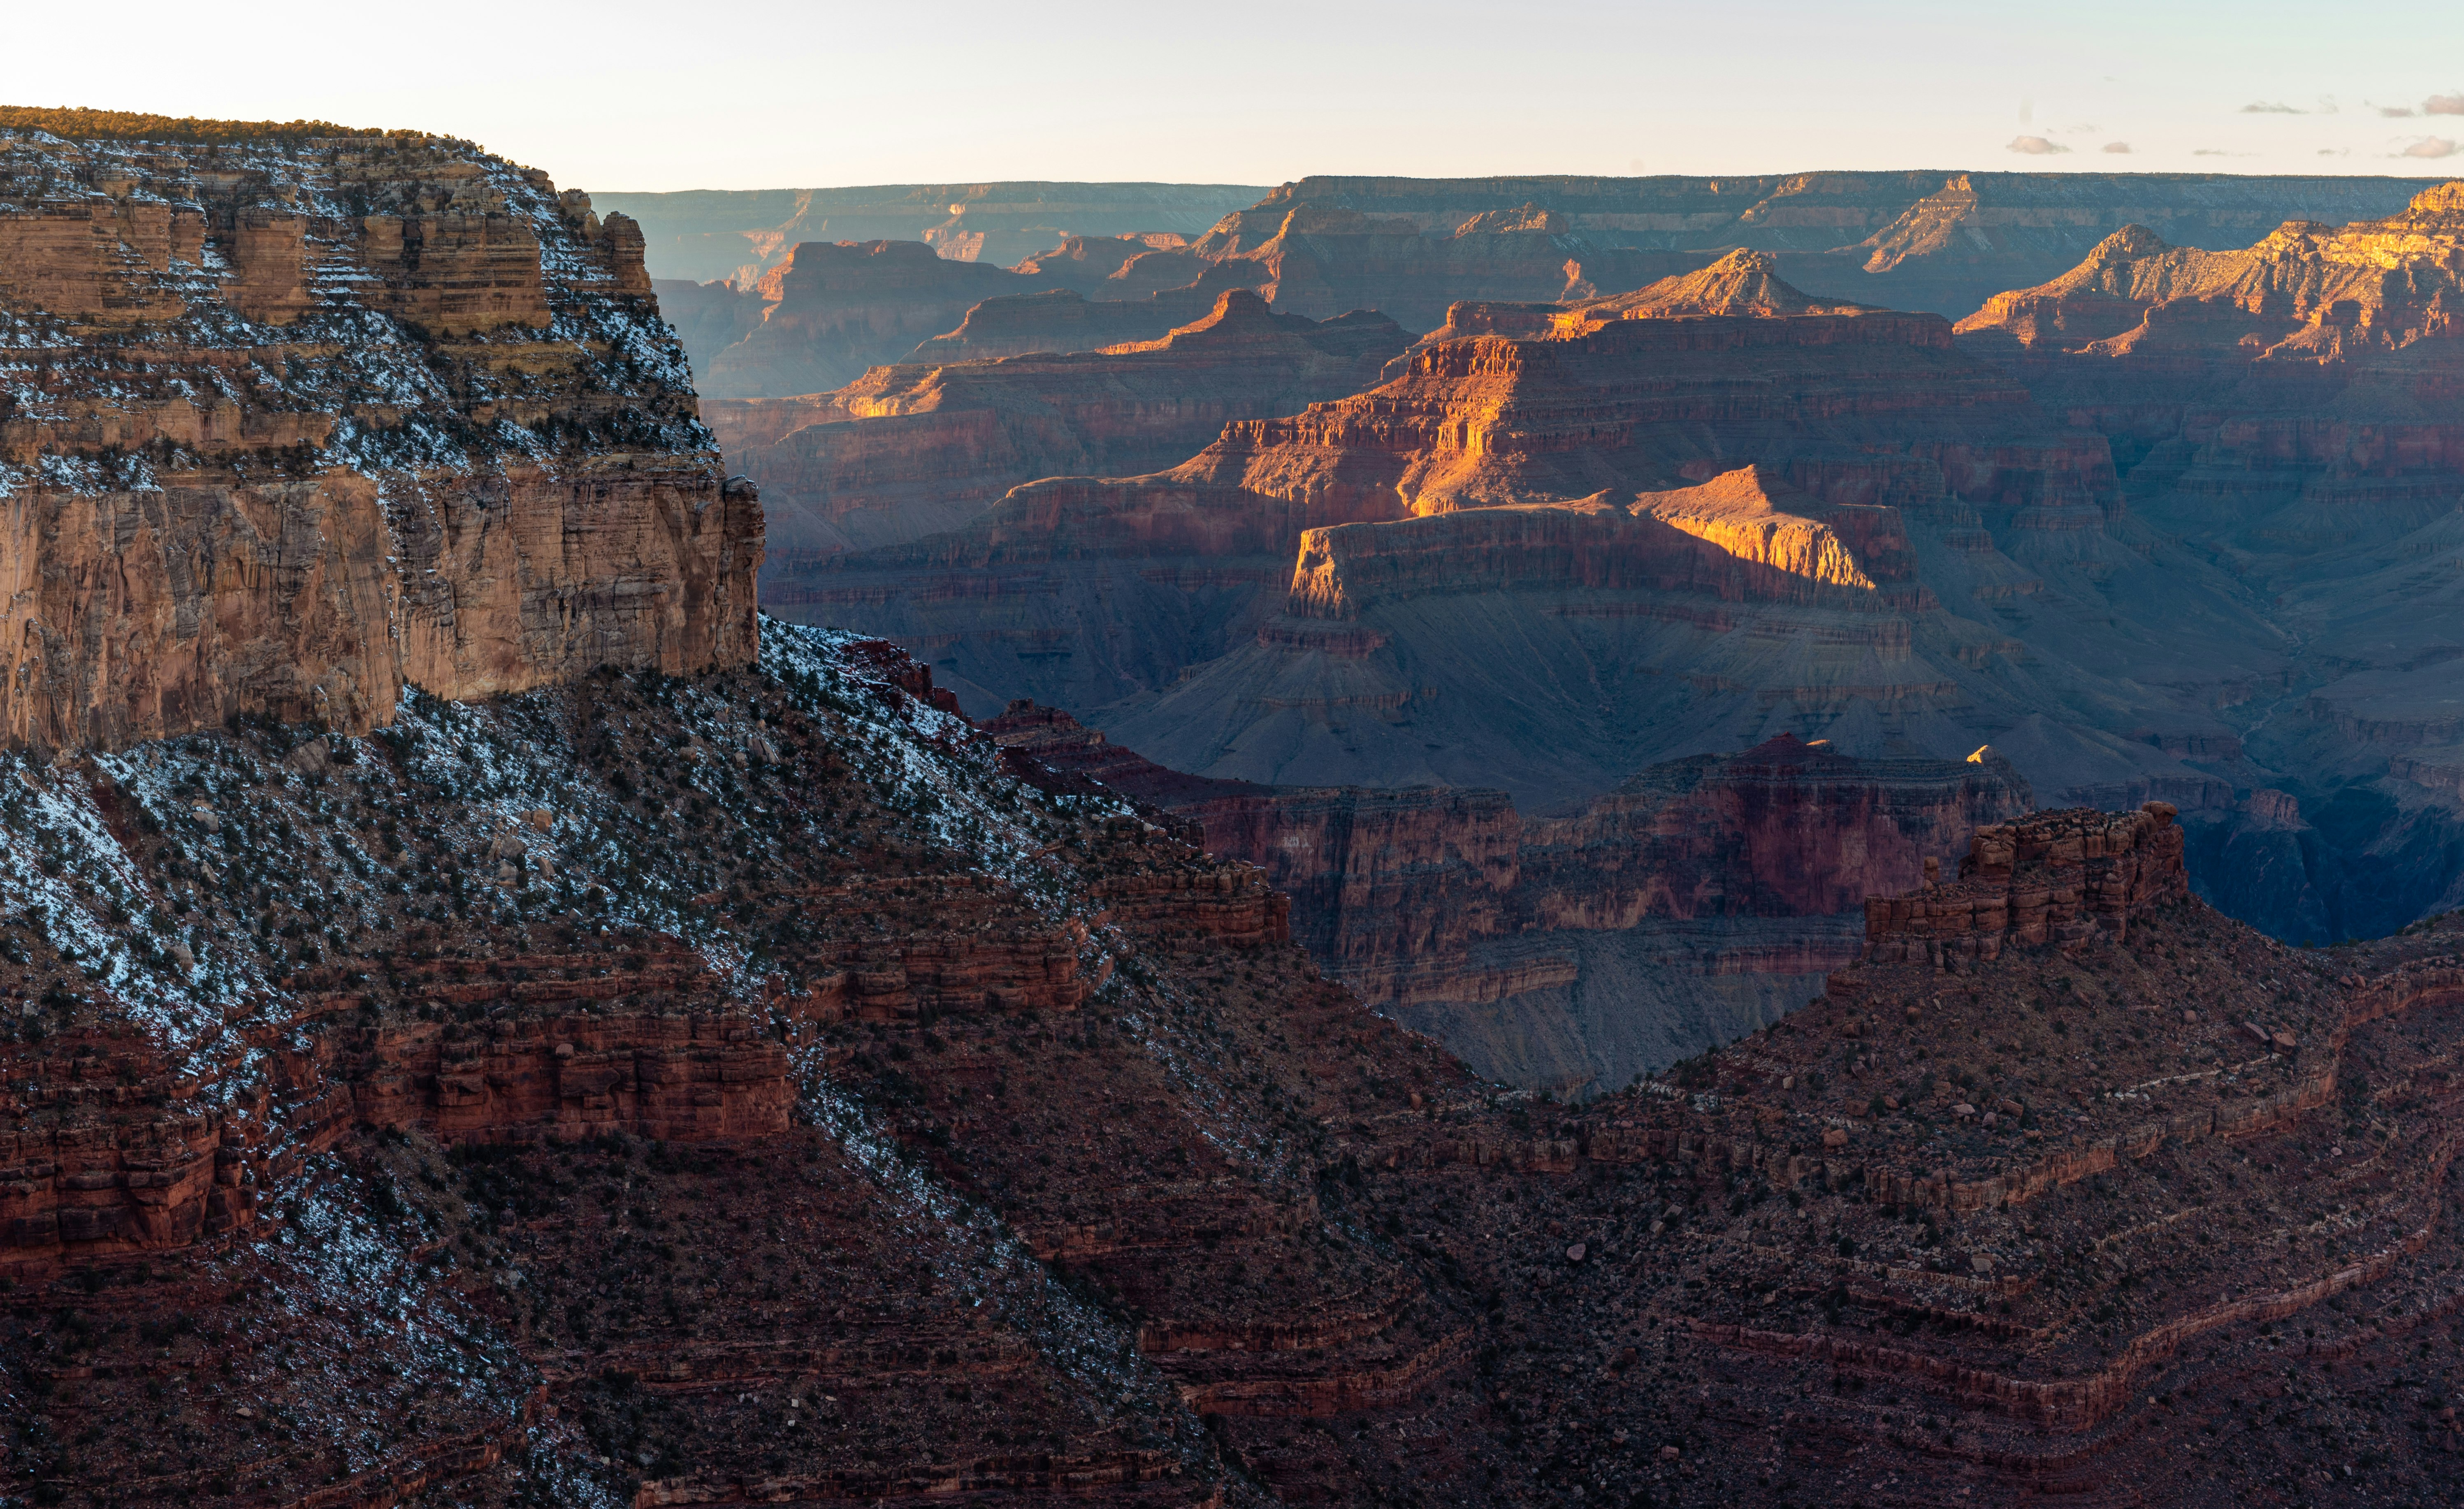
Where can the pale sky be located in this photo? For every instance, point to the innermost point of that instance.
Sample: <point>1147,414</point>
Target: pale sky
<point>758,94</point>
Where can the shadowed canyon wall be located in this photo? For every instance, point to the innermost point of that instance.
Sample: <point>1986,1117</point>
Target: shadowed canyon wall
<point>2288,410</point>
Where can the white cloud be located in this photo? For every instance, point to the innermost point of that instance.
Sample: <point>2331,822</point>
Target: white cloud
<point>2263,108</point>
<point>2443,105</point>
<point>2115,147</point>
<point>2033,146</point>
<point>2430,147</point>
<point>2395,112</point>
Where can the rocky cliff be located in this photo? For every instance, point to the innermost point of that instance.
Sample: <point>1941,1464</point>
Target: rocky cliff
<point>832,309</point>
<point>1066,320</point>
<point>913,450</point>
<point>294,421</point>
<point>1937,241</point>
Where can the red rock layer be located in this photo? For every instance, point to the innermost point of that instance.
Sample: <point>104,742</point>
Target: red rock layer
<point>2024,1225</point>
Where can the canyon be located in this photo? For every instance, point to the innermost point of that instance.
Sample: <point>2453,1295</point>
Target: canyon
<point>729,236</point>
<point>1490,939</point>
<point>1543,562</point>
<point>1036,1156</point>
<point>1129,262</point>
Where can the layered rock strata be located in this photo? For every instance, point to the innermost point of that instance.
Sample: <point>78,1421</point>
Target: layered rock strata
<point>1543,562</point>
<point>2058,877</point>
<point>911,450</point>
<point>294,423</point>
<point>832,309</point>
<point>1938,241</point>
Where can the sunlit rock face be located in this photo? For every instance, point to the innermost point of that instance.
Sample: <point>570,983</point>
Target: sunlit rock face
<point>290,421</point>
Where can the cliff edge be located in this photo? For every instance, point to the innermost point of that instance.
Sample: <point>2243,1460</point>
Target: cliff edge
<point>293,421</point>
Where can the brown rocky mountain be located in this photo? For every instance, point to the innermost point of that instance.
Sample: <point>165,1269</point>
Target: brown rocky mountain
<point>1415,247</point>
<point>377,411</point>
<point>2287,410</point>
<point>1063,319</point>
<point>830,311</point>
<point>1575,951</point>
<point>736,236</point>
<point>907,451</point>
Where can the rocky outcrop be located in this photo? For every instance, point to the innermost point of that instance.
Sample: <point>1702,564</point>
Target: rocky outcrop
<point>912,449</point>
<point>1225,1235</point>
<point>1066,320</point>
<point>2059,877</point>
<point>1744,282</point>
<point>1937,241</point>
<point>371,412</point>
<point>1121,267</point>
<point>1743,536</point>
<point>1316,256</point>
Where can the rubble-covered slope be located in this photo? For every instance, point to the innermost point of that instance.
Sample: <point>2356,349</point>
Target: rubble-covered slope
<point>289,421</point>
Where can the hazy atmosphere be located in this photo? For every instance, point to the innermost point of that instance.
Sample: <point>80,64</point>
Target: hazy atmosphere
<point>766,94</point>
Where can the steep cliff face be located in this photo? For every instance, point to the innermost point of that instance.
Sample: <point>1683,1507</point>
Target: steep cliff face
<point>2287,408</point>
<point>1322,256</point>
<point>291,422</point>
<point>909,450</point>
